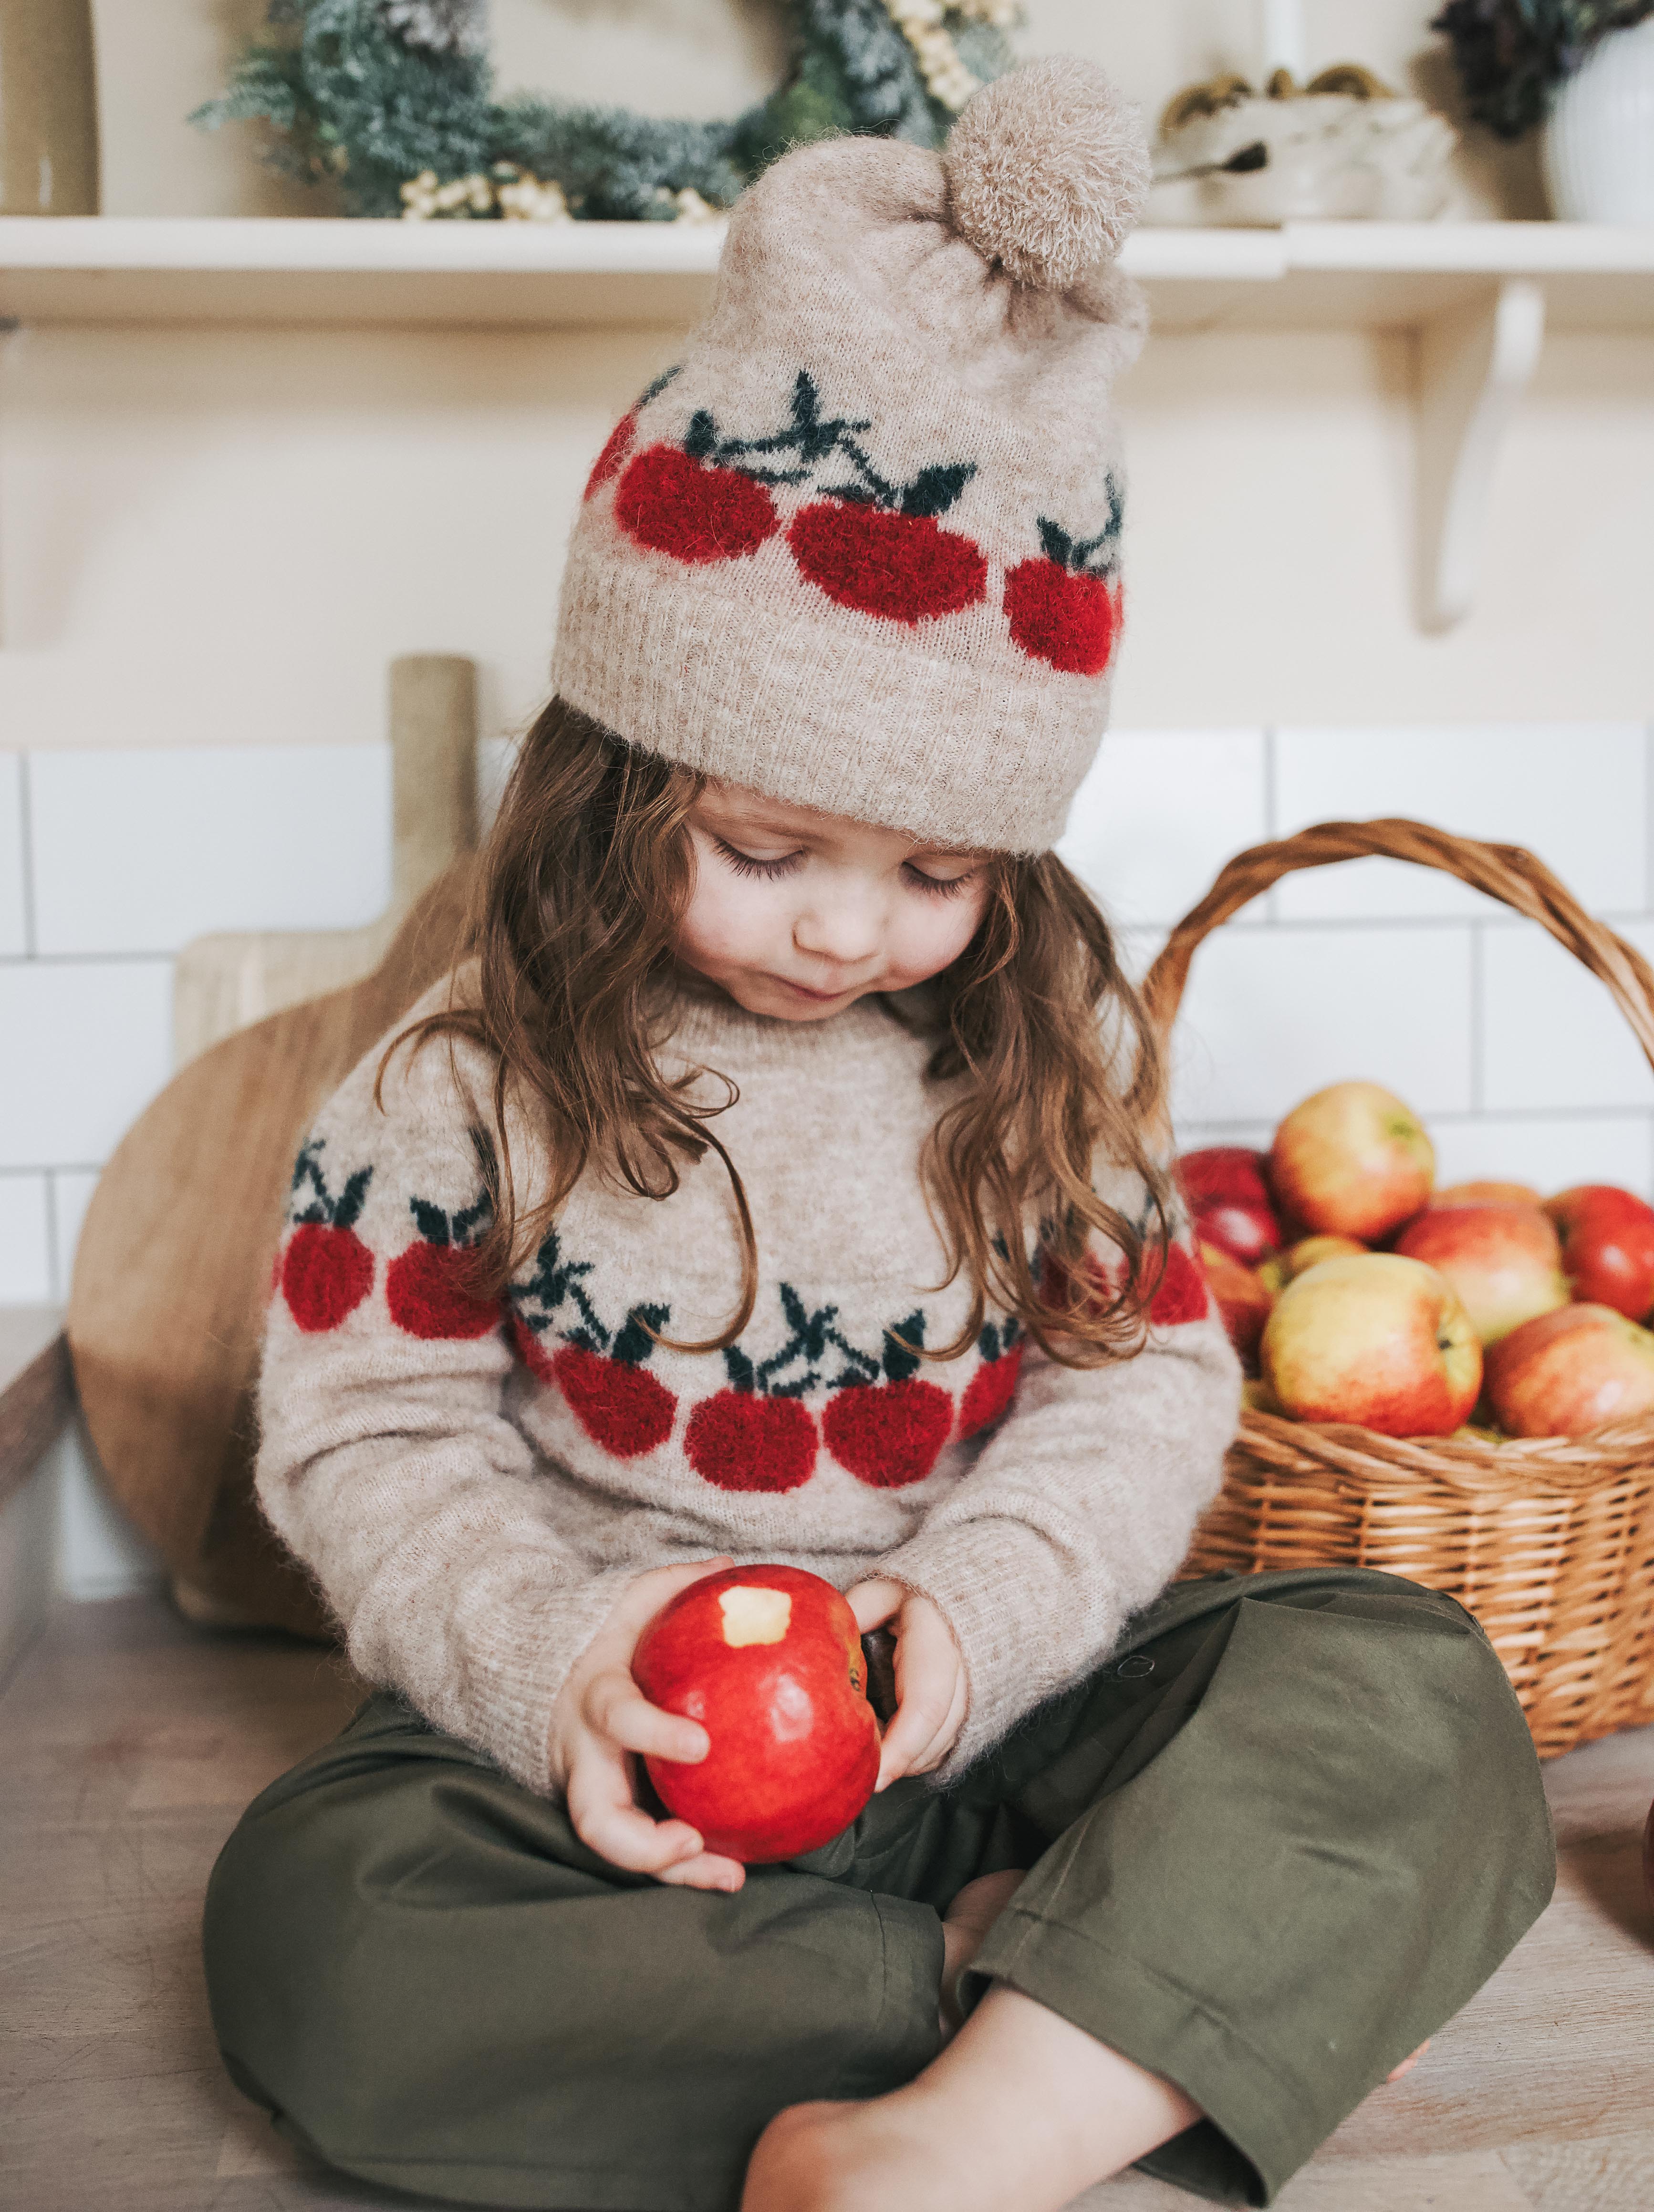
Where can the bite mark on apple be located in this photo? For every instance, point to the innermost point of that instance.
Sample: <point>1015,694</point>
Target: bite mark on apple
<point>754,1615</point>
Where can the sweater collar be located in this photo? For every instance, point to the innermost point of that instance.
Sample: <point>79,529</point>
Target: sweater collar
<point>711,1029</point>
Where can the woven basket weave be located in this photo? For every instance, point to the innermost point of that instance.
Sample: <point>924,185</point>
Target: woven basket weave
<point>1548,1542</point>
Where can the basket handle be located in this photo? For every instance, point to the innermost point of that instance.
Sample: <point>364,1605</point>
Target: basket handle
<point>1505,872</point>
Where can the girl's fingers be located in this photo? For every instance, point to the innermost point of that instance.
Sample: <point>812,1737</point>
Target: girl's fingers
<point>921,1723</point>
<point>618,1709</point>
<point>945,1736</point>
<point>876,1602</point>
<point>931,1693</point>
<point>607,1822</point>
<point>706,1871</point>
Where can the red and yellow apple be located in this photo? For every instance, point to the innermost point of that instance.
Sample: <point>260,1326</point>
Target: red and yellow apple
<point>1378,1340</point>
<point>769,1660</point>
<point>1485,1193</point>
<point>1569,1371</point>
<point>1298,1259</point>
<point>1229,1201</point>
<point>1504,1261</point>
<point>1243,1300</point>
<point>1352,1161</point>
<point>1608,1246</point>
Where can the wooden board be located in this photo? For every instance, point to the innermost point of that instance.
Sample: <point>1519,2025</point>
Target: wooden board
<point>173,1272</point>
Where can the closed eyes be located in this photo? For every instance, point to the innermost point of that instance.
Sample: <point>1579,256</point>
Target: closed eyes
<point>769,871</point>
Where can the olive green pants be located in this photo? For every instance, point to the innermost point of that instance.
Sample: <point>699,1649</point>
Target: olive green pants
<point>1287,1831</point>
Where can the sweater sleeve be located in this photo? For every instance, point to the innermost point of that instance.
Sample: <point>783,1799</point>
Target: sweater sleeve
<point>1079,1509</point>
<point>388,1461</point>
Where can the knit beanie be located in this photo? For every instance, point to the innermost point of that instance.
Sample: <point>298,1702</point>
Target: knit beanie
<point>860,549</point>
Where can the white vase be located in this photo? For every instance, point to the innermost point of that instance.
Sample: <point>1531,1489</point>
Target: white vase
<point>1599,141</point>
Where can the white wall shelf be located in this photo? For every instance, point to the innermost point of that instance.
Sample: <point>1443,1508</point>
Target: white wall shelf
<point>1324,276</point>
<point>1479,296</point>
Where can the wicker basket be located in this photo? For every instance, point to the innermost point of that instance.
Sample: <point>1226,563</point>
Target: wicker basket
<point>1549,1542</point>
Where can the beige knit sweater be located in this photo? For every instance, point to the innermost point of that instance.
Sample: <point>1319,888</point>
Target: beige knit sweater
<point>472,1486</point>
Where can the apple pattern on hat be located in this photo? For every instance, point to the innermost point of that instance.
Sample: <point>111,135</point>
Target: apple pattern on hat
<point>860,547</point>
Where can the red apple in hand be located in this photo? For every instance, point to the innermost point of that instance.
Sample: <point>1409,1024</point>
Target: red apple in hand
<point>1377,1339</point>
<point>1352,1161</point>
<point>1608,1246</point>
<point>1224,1189</point>
<point>769,1660</point>
<point>1243,1300</point>
<point>1569,1371</point>
<point>1504,1261</point>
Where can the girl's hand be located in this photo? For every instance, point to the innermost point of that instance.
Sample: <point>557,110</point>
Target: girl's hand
<point>930,1678</point>
<point>602,1722</point>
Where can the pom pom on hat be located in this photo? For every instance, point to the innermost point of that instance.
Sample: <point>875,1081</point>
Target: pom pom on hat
<point>1048,170</point>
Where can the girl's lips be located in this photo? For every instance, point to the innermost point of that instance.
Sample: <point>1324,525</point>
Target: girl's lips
<point>805,992</point>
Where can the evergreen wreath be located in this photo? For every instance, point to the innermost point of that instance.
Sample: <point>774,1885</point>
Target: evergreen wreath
<point>394,102</point>
<point>1511,54</point>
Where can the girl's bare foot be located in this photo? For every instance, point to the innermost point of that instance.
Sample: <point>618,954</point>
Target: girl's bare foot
<point>964,1930</point>
<point>1408,2065</point>
<point>1018,2114</point>
<point>877,2157</point>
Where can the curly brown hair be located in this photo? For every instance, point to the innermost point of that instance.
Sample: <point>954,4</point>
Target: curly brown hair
<point>584,882</point>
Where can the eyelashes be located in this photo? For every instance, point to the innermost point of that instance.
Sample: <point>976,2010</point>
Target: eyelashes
<point>938,886</point>
<point>770,872</point>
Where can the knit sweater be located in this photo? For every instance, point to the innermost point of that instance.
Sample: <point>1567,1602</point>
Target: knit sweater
<point>473,1485</point>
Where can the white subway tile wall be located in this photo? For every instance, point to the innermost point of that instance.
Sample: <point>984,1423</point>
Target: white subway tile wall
<point>25,1277</point>
<point>14,901</point>
<point>140,850</point>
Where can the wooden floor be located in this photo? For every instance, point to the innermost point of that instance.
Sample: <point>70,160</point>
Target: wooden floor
<point>128,1743</point>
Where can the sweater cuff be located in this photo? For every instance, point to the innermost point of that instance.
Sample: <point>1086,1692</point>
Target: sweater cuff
<point>494,1686</point>
<point>1011,1606</point>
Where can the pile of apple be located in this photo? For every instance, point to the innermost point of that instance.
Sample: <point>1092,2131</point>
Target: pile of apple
<point>1354,1291</point>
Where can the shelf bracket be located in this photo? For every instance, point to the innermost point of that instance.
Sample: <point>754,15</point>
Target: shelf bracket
<point>1474,364</point>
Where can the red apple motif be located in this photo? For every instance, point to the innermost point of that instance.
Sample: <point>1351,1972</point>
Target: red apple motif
<point>903,566</point>
<point>603,1376</point>
<point>1224,1188</point>
<point>1063,605</point>
<point>769,1660</point>
<point>694,510</point>
<point>325,1270</point>
<point>1181,1294</point>
<point>1069,621</point>
<point>325,1273</point>
<point>428,1288</point>
<point>878,546</point>
<point>747,1437</point>
<point>888,1433</point>
<point>617,1403</point>
<point>993,1385</point>
<point>1608,1246</point>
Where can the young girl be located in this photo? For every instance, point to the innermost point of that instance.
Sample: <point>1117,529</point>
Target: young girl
<point>780,1182</point>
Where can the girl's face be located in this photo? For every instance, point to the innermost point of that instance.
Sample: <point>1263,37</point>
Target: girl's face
<point>797,914</point>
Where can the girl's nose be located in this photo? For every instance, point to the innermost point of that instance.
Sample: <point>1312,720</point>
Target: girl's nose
<point>847,931</point>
